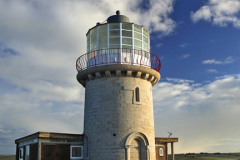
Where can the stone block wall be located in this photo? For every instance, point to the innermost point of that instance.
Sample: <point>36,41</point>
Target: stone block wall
<point>112,113</point>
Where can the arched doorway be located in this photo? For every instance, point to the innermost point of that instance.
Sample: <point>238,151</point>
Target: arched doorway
<point>135,150</point>
<point>137,147</point>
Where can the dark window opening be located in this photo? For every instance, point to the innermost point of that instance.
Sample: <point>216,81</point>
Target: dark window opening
<point>137,94</point>
<point>76,152</point>
<point>21,153</point>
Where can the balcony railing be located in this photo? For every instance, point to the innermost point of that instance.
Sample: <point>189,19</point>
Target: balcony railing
<point>118,56</point>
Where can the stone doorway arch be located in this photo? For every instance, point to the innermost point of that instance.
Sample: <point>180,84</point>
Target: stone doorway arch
<point>137,147</point>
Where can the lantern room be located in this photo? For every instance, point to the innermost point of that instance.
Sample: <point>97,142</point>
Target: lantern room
<point>118,33</point>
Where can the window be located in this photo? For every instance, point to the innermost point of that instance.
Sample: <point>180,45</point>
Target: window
<point>137,94</point>
<point>76,152</point>
<point>127,41</point>
<point>138,35</point>
<point>114,33</point>
<point>145,39</point>
<point>114,26</point>
<point>102,28</point>
<point>27,153</point>
<point>21,154</point>
<point>102,42</point>
<point>138,28</point>
<point>145,46</point>
<point>127,26</point>
<point>93,31</point>
<point>102,35</point>
<point>137,43</point>
<point>161,153</point>
<point>114,40</point>
<point>93,38</point>
<point>145,32</point>
<point>126,33</point>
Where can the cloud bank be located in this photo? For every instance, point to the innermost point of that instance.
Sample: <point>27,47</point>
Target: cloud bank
<point>219,12</point>
<point>202,116</point>
<point>212,71</point>
<point>213,61</point>
<point>185,56</point>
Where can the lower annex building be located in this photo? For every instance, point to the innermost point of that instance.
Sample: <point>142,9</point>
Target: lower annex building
<point>63,146</point>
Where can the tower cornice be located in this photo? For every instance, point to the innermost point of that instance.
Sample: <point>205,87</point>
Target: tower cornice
<point>119,70</point>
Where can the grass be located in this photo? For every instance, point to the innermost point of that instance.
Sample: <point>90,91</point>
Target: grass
<point>222,156</point>
<point>7,157</point>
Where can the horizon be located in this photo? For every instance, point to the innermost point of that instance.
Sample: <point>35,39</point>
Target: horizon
<point>198,43</point>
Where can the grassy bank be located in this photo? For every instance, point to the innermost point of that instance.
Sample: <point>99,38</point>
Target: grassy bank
<point>220,156</point>
<point>7,157</point>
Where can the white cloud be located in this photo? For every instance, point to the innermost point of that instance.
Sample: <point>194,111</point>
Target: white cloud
<point>178,80</point>
<point>229,60</point>
<point>159,45</point>
<point>219,12</point>
<point>157,18</point>
<point>203,13</point>
<point>202,116</point>
<point>212,70</point>
<point>183,45</point>
<point>185,56</point>
<point>213,61</point>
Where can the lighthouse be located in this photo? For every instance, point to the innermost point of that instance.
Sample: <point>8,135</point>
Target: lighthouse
<point>118,73</point>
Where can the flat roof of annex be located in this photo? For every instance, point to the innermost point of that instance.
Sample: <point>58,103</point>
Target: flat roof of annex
<point>53,135</point>
<point>165,139</point>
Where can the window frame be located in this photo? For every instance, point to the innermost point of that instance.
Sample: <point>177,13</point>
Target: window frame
<point>137,95</point>
<point>27,152</point>
<point>21,156</point>
<point>134,98</point>
<point>71,152</point>
<point>161,154</point>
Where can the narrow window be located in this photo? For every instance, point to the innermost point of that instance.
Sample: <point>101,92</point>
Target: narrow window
<point>76,152</point>
<point>137,94</point>
<point>27,153</point>
<point>21,154</point>
<point>161,153</point>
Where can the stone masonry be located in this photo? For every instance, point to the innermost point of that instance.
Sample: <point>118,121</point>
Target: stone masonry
<point>112,113</point>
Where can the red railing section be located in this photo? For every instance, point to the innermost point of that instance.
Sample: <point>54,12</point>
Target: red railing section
<point>118,56</point>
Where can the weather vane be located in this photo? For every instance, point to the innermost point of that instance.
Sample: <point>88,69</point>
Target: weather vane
<point>169,134</point>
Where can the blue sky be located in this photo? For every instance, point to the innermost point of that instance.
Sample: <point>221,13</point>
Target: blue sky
<point>197,98</point>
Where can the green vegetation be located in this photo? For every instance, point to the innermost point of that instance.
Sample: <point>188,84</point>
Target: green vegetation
<point>205,156</point>
<point>210,156</point>
<point>7,157</point>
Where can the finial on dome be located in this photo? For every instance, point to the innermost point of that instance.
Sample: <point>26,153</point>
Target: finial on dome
<point>118,12</point>
<point>117,18</point>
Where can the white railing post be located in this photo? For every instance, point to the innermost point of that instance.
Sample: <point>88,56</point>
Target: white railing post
<point>108,57</point>
<point>121,53</point>
<point>133,51</point>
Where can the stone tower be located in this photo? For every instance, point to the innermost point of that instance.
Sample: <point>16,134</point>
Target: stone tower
<point>118,73</point>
